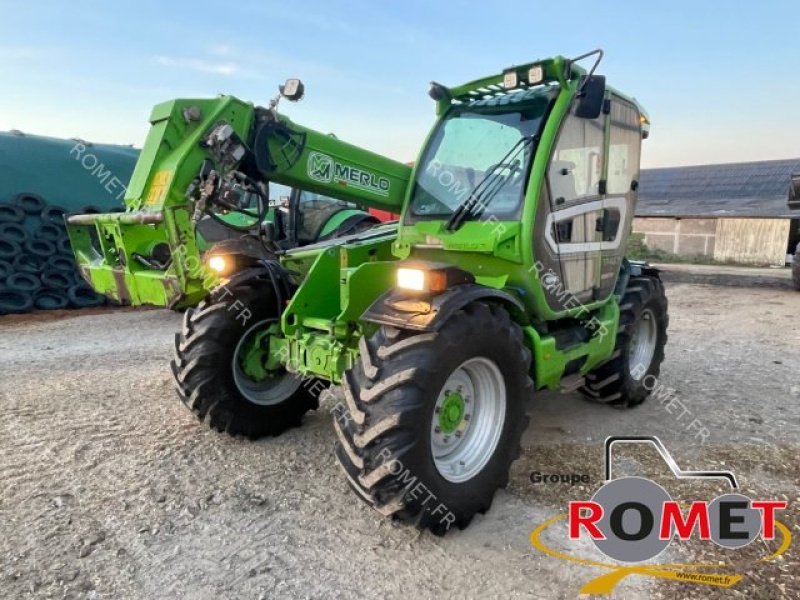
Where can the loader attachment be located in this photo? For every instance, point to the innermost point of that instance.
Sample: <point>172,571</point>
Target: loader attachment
<point>129,257</point>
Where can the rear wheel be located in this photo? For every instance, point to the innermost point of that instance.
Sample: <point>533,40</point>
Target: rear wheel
<point>432,421</point>
<point>223,371</point>
<point>626,379</point>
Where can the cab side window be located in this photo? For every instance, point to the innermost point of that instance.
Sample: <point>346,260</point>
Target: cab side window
<point>624,148</point>
<point>576,168</point>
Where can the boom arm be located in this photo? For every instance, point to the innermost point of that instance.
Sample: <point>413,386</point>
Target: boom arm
<point>206,155</point>
<point>299,157</point>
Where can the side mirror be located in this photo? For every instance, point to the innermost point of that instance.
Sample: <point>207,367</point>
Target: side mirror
<point>590,97</point>
<point>292,90</point>
<point>794,192</point>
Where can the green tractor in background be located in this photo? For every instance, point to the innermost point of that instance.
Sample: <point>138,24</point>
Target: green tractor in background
<point>505,275</point>
<point>295,219</point>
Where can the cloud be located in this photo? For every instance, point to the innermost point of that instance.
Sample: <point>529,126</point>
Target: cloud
<point>227,69</point>
<point>232,60</point>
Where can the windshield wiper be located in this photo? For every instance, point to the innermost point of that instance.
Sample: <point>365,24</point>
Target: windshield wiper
<point>486,189</point>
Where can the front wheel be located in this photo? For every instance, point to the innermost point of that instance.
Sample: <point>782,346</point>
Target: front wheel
<point>431,422</point>
<point>223,370</point>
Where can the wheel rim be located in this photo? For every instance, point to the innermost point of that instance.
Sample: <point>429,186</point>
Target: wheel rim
<point>468,419</point>
<point>267,392</point>
<point>642,345</point>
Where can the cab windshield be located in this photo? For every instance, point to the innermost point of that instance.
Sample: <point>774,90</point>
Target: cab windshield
<point>477,150</point>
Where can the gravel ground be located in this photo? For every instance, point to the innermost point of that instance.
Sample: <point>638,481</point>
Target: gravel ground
<point>111,489</point>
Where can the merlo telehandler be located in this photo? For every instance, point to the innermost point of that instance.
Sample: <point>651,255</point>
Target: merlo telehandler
<point>506,275</point>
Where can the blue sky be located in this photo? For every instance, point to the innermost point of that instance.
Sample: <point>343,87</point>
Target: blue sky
<point>719,78</point>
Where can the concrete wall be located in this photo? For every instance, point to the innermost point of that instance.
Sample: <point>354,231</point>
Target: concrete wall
<point>752,241</point>
<point>683,237</point>
<point>743,241</point>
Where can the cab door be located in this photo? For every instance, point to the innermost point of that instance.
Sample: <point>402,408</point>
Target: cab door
<point>587,205</point>
<point>567,236</point>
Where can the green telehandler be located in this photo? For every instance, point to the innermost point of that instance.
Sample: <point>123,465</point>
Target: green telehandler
<point>506,275</point>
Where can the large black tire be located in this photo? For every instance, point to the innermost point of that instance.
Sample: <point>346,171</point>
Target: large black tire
<point>23,282</point>
<point>53,214</point>
<point>203,368</point>
<point>31,204</point>
<point>13,232</point>
<point>28,263</point>
<point>15,302</point>
<point>384,427</point>
<point>63,246</point>
<point>50,299</point>
<point>796,268</point>
<point>10,213</point>
<point>82,296</point>
<point>60,280</point>
<point>9,249</point>
<point>50,232</point>
<point>63,263</point>
<point>618,382</point>
<point>40,247</point>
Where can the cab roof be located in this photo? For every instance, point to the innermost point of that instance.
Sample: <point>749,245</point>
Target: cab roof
<point>555,71</point>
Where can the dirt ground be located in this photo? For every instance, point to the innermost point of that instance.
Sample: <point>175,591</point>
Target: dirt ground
<point>111,489</point>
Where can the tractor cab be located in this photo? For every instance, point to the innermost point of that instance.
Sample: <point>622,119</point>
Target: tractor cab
<point>315,217</point>
<point>538,167</point>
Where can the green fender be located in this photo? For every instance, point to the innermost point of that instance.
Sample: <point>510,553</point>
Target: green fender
<point>338,219</point>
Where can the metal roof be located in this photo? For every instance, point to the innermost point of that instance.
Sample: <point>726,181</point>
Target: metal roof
<point>751,189</point>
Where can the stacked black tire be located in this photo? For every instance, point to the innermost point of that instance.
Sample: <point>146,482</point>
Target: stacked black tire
<point>37,268</point>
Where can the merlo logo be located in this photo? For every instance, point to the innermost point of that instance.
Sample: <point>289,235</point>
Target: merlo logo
<point>320,167</point>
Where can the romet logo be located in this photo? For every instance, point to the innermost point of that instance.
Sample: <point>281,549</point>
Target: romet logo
<point>633,519</point>
<point>325,169</point>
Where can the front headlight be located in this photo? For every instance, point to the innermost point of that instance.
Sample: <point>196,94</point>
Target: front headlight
<point>411,279</point>
<point>432,278</point>
<point>219,264</point>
